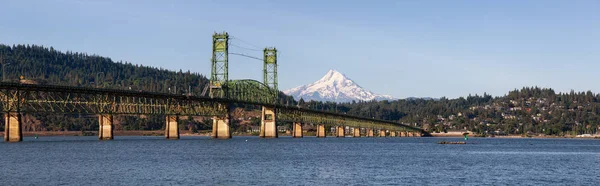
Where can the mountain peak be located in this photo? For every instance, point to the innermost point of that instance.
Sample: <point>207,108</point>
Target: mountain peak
<point>333,72</point>
<point>335,76</point>
<point>334,86</point>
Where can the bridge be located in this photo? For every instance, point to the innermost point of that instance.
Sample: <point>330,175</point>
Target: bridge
<point>217,101</point>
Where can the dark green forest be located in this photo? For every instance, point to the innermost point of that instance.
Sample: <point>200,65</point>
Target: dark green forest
<point>525,111</point>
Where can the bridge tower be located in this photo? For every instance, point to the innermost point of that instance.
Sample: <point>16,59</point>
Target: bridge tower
<point>219,74</point>
<point>219,77</point>
<point>268,125</point>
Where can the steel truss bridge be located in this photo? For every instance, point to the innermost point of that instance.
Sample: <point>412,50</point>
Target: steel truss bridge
<point>27,98</point>
<point>223,94</point>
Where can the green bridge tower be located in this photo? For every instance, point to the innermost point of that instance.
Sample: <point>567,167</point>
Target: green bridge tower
<point>268,125</point>
<point>219,75</point>
<point>270,69</point>
<point>219,78</point>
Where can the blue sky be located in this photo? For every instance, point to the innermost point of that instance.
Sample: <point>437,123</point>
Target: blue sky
<point>402,48</point>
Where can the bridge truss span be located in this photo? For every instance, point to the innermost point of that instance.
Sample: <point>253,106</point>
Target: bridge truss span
<point>295,114</point>
<point>251,91</point>
<point>76,100</point>
<point>27,98</point>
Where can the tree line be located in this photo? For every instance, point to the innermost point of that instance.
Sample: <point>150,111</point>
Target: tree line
<point>530,110</point>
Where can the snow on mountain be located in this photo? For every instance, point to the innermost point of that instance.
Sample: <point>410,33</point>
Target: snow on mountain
<point>334,86</point>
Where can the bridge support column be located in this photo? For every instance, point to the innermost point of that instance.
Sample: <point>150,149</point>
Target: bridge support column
<point>356,133</point>
<point>370,133</point>
<point>13,131</point>
<point>405,133</point>
<point>341,131</point>
<point>321,131</point>
<point>172,127</point>
<point>392,133</point>
<point>381,133</point>
<point>268,127</point>
<point>106,127</point>
<point>221,129</point>
<point>297,133</point>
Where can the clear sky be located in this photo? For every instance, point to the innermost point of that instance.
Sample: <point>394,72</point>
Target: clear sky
<point>399,47</point>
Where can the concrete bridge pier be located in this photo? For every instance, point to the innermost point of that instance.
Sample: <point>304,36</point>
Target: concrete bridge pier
<point>417,134</point>
<point>341,131</point>
<point>321,131</point>
<point>172,127</point>
<point>297,133</point>
<point>106,127</point>
<point>370,133</point>
<point>382,133</point>
<point>268,127</point>
<point>221,129</point>
<point>356,133</point>
<point>13,128</point>
<point>392,133</point>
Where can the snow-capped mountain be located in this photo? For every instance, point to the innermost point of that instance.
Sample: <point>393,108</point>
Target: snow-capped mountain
<point>334,86</point>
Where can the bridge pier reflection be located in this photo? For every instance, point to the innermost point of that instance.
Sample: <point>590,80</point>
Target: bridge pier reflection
<point>321,131</point>
<point>297,133</point>
<point>172,127</point>
<point>356,132</point>
<point>106,127</point>
<point>340,131</point>
<point>268,127</point>
<point>13,131</point>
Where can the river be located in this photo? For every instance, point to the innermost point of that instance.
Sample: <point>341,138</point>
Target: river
<point>196,160</point>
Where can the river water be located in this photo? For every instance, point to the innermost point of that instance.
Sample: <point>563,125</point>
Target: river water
<point>306,161</point>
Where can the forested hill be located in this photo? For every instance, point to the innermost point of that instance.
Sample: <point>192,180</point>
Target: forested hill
<point>46,65</point>
<point>530,110</point>
<point>42,65</point>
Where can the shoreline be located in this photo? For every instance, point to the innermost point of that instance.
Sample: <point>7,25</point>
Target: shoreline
<point>208,133</point>
<point>445,135</point>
